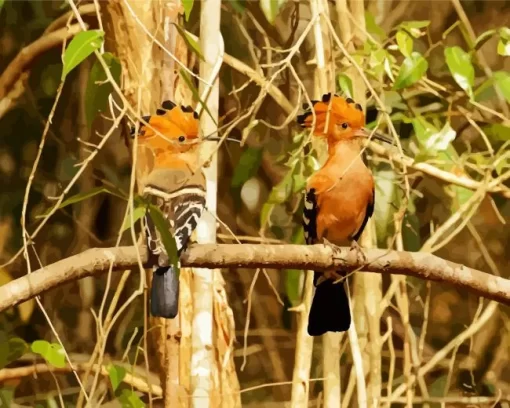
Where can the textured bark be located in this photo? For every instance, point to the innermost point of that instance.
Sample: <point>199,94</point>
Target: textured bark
<point>421,265</point>
<point>148,76</point>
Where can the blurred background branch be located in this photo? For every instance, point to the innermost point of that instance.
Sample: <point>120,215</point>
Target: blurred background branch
<point>434,75</point>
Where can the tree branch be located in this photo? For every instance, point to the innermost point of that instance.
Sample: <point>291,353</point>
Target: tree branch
<point>446,176</point>
<point>30,52</point>
<point>96,261</point>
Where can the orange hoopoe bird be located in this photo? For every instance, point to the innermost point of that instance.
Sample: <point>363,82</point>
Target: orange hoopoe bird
<point>339,200</point>
<point>176,185</point>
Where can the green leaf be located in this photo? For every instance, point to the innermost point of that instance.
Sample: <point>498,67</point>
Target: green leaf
<point>439,141</point>
<point>497,132</point>
<point>432,139</point>
<point>502,163</point>
<point>265,212</point>
<point>345,85</point>
<point>194,91</point>
<point>461,68</point>
<point>17,348</point>
<point>188,6</point>
<point>11,349</point>
<point>50,79</point>
<point>438,388</point>
<point>138,213</point>
<point>460,196</point>
<point>81,46</point>
<point>504,42</point>
<point>502,81</point>
<point>293,284</point>
<point>6,392</point>
<point>503,48</point>
<point>116,375</point>
<point>53,353</point>
<point>376,59</point>
<point>282,190</point>
<point>393,100</point>
<point>83,196</point>
<point>387,67</point>
<point>312,164</point>
<point>51,402</point>
<point>271,8</point>
<point>411,228</point>
<point>387,194</point>
<point>405,43</point>
<point>504,33</point>
<point>299,183</point>
<point>129,399</point>
<point>414,27</point>
<point>1,4</point>
<point>294,277</point>
<point>190,41</point>
<point>372,26</point>
<point>238,5</point>
<point>163,227</point>
<point>412,70</point>
<point>99,88</point>
<point>247,167</point>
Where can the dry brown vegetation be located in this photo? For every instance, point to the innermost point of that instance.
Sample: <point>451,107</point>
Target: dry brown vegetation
<point>427,331</point>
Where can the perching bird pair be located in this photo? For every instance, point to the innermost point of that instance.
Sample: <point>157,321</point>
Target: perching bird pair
<point>339,198</point>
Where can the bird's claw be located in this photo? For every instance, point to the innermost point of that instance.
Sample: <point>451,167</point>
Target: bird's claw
<point>359,252</point>
<point>333,247</point>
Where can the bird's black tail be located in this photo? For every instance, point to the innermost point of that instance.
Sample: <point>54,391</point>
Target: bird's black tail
<point>330,311</point>
<point>165,293</point>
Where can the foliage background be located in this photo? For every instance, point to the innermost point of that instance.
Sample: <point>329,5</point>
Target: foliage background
<point>440,69</point>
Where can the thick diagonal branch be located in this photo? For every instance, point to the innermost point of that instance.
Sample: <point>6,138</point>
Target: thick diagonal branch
<point>317,257</point>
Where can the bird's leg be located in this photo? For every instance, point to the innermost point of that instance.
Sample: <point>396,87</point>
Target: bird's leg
<point>359,252</point>
<point>334,248</point>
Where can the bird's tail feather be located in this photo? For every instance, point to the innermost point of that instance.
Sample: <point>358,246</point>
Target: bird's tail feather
<point>330,311</point>
<point>165,293</point>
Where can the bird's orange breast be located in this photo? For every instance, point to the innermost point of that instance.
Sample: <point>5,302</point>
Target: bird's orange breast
<point>343,195</point>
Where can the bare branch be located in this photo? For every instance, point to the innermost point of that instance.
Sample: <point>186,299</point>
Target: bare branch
<point>438,173</point>
<point>96,261</point>
<point>15,373</point>
<point>30,52</point>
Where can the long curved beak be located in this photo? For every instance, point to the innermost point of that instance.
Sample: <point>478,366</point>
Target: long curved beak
<point>370,134</point>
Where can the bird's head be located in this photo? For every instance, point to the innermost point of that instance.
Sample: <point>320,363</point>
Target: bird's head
<point>174,129</point>
<point>337,119</point>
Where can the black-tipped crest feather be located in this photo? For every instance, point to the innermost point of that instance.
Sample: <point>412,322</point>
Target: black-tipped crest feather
<point>168,105</point>
<point>326,97</point>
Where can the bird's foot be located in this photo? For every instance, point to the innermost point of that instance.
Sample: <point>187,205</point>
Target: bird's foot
<point>334,248</point>
<point>359,252</point>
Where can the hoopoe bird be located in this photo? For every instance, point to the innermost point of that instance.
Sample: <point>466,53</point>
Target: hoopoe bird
<point>176,185</point>
<point>339,201</point>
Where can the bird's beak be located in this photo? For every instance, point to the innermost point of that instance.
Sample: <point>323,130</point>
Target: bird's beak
<point>369,134</point>
<point>212,138</point>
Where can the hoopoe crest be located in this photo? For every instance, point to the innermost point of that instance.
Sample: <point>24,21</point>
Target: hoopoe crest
<point>175,184</point>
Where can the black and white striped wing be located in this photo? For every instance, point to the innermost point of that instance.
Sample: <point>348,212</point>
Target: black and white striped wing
<point>183,208</point>
<point>310,217</point>
<point>181,198</point>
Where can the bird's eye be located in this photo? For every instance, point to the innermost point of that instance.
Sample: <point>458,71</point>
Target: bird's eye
<point>345,125</point>
<point>182,138</point>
